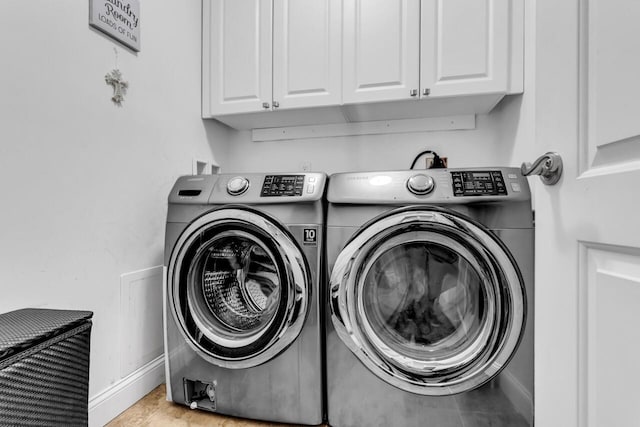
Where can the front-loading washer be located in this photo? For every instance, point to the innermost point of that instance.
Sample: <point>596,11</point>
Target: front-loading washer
<point>430,301</point>
<point>243,329</point>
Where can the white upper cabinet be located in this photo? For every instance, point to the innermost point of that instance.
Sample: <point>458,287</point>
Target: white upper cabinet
<point>274,63</point>
<point>307,53</point>
<point>402,49</point>
<point>236,56</point>
<point>464,47</point>
<point>381,50</point>
<point>270,55</point>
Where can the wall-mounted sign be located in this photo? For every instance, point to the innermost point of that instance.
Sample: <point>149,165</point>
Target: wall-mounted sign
<point>119,19</point>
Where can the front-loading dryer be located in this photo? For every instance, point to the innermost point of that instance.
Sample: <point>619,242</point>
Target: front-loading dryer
<point>431,298</point>
<point>243,330</point>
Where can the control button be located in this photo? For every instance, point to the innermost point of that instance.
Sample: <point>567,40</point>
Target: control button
<point>512,176</point>
<point>312,179</point>
<point>310,188</point>
<point>515,186</point>
<point>237,185</point>
<point>420,184</point>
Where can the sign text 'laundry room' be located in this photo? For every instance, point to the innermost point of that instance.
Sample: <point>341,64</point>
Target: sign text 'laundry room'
<point>119,19</point>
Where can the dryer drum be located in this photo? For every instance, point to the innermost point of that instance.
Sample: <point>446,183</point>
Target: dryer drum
<point>429,300</point>
<point>421,296</point>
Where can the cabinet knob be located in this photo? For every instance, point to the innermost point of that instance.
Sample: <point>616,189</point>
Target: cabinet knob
<point>426,92</point>
<point>276,104</point>
<point>413,92</point>
<point>266,105</point>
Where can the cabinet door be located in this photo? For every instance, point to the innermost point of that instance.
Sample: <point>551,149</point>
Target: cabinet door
<point>236,56</point>
<point>381,50</point>
<point>307,53</point>
<point>464,47</point>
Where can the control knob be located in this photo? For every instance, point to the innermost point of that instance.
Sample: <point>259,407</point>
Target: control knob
<point>237,185</point>
<point>421,184</point>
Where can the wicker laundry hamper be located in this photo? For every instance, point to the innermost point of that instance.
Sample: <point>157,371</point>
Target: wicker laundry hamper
<point>44,367</point>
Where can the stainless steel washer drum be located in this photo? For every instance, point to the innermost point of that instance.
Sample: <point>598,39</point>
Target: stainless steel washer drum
<point>239,287</point>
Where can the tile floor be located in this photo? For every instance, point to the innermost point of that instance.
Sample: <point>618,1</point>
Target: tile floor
<point>154,410</point>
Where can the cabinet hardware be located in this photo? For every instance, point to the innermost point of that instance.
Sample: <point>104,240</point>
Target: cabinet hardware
<point>426,92</point>
<point>266,105</point>
<point>276,104</point>
<point>413,92</point>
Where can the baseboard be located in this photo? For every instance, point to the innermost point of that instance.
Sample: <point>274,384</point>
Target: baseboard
<point>109,403</point>
<point>518,394</point>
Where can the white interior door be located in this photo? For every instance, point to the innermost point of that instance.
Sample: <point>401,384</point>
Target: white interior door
<point>587,228</point>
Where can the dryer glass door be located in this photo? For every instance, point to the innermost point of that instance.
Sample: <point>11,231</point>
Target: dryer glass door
<point>429,300</point>
<point>239,287</point>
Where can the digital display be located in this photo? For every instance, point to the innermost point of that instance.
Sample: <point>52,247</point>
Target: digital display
<point>480,175</point>
<point>478,183</point>
<point>282,185</point>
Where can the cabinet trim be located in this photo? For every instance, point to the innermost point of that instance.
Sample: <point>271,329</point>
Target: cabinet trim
<point>464,122</point>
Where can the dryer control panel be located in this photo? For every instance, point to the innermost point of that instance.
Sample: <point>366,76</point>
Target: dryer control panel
<point>433,186</point>
<point>478,183</point>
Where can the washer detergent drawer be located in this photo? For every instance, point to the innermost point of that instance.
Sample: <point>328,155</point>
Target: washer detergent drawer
<point>44,367</point>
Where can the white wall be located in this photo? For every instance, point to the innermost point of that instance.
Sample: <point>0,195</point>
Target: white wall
<point>84,182</point>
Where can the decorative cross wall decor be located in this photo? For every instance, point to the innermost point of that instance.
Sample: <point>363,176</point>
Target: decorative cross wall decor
<point>114,78</point>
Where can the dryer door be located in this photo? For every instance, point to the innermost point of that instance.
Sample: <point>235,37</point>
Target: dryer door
<point>238,287</point>
<point>429,300</point>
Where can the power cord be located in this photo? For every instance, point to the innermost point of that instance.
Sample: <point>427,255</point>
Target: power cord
<point>438,163</point>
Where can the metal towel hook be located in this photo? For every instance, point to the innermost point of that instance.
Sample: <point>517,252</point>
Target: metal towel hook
<point>548,166</point>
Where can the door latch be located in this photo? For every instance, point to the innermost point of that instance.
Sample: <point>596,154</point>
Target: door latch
<point>548,166</point>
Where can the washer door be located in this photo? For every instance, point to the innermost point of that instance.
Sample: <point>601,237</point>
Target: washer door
<point>429,300</point>
<point>238,286</point>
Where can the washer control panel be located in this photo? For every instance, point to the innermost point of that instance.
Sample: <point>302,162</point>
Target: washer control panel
<point>478,183</point>
<point>283,185</point>
<point>249,188</point>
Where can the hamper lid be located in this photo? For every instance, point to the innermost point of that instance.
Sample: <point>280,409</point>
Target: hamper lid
<point>27,327</point>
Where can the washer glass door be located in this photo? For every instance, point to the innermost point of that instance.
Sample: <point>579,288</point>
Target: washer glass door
<point>429,300</point>
<point>239,287</point>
